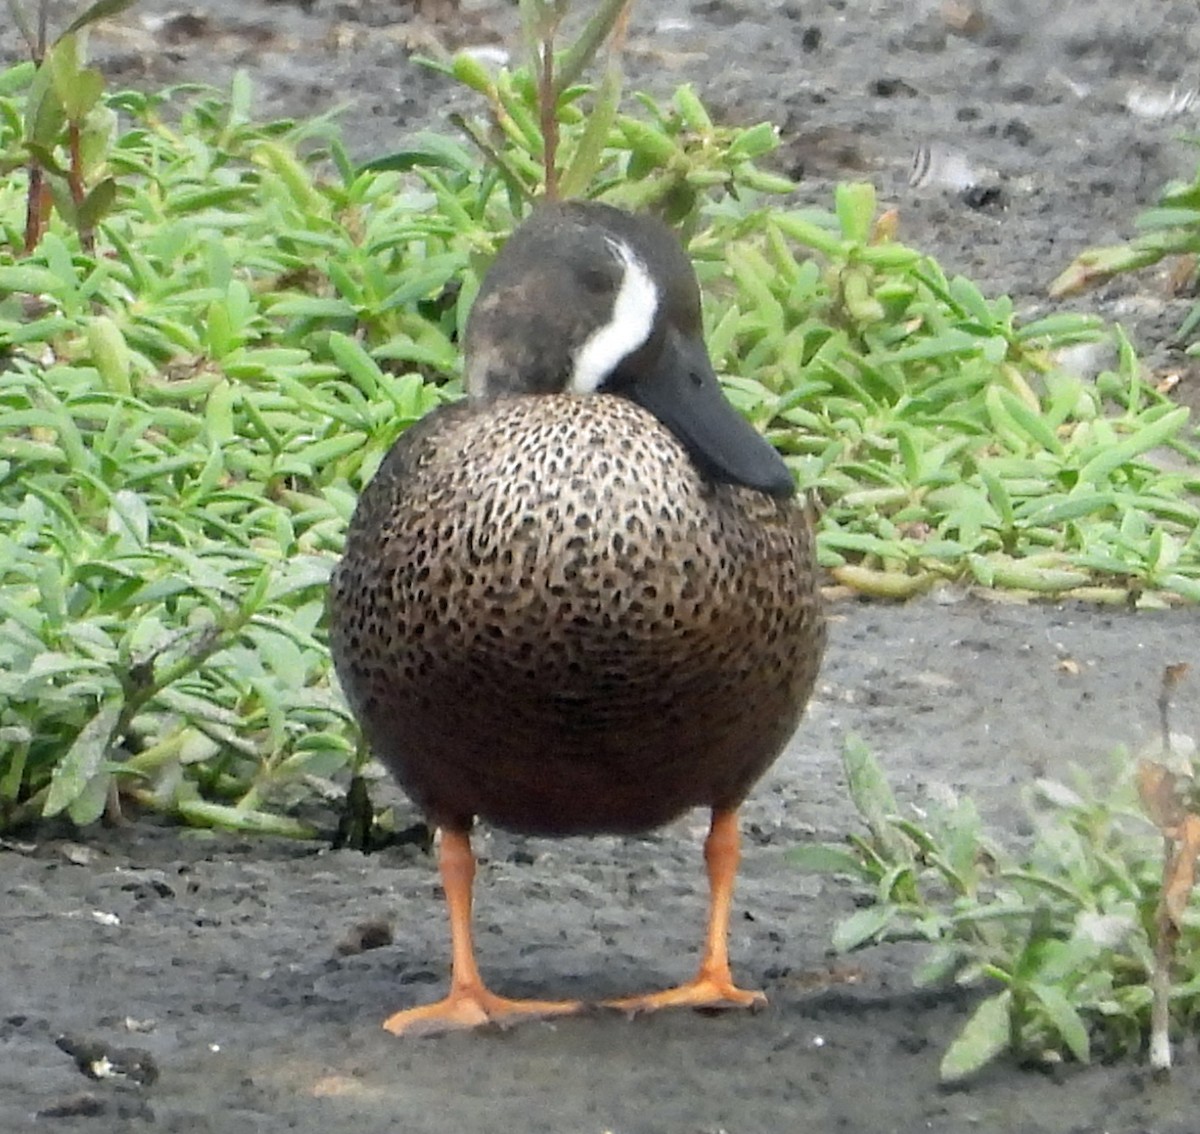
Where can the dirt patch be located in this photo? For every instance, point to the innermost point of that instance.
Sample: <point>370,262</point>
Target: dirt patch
<point>222,963</point>
<point>223,960</point>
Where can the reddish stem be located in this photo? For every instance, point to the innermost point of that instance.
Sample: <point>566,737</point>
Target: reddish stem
<point>37,205</point>
<point>87,238</point>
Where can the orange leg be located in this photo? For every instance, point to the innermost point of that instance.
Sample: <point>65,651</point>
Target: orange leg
<point>469,1003</point>
<point>712,986</point>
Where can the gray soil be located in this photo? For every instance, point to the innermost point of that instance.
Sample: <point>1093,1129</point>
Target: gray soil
<point>221,960</point>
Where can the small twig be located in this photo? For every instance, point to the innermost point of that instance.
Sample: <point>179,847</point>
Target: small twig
<point>114,815</point>
<point>548,110</point>
<point>1167,806</point>
<point>511,176</point>
<point>37,194</point>
<point>1165,939</point>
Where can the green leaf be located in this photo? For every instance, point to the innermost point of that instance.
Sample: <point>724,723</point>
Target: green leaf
<point>868,786</point>
<point>855,205</point>
<point>28,279</point>
<point>356,362</point>
<point>129,518</point>
<point>589,153</point>
<point>1073,507</point>
<point>755,142</point>
<point>90,803</point>
<point>98,203</point>
<point>1032,424</point>
<point>1065,1018</point>
<point>808,231</point>
<point>313,307</point>
<point>44,116</point>
<point>81,93</point>
<point>19,76</point>
<point>939,964</point>
<point>1188,588</point>
<point>1112,457</point>
<point>649,144</point>
<point>241,97</point>
<point>83,760</point>
<point>862,926</point>
<point>580,54</point>
<point>985,1035</point>
<point>818,858</point>
<point>470,71</point>
<point>63,60</point>
<point>425,150</point>
<point>110,353</point>
<point>204,814</point>
<point>100,10</point>
<point>696,118</point>
<point>14,739</point>
<point>964,293</point>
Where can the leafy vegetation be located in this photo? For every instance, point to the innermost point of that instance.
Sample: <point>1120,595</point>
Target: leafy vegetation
<point>186,419</point>
<point>63,105</point>
<point>197,379</point>
<point>1062,934</point>
<point>1171,228</point>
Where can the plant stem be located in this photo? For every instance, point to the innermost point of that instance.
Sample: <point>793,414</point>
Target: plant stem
<point>42,30</point>
<point>151,759</point>
<point>87,238</point>
<point>37,200</point>
<point>548,109</point>
<point>1160,979</point>
<point>30,811</point>
<point>512,177</point>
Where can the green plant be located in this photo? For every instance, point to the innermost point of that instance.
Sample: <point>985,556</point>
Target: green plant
<point>189,409</point>
<point>64,114</point>
<point>184,426</point>
<point>941,435</point>
<point>1171,228</point>
<point>1059,935</point>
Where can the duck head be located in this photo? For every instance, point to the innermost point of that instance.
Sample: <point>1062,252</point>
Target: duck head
<point>585,298</point>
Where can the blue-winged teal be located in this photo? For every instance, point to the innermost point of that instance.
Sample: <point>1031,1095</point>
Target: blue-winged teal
<point>584,599</point>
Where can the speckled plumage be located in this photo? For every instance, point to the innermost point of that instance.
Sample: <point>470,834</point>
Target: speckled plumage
<point>583,600</point>
<point>547,617</point>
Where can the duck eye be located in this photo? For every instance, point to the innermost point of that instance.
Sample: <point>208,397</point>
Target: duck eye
<point>697,378</point>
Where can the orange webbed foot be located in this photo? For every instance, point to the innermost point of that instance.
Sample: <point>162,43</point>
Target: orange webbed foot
<point>708,991</point>
<point>472,1008</point>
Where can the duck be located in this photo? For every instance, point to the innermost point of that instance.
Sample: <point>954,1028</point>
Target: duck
<point>583,599</point>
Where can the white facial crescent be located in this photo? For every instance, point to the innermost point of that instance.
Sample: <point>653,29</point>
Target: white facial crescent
<point>629,327</point>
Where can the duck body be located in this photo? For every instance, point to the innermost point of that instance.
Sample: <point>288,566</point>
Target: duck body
<point>584,599</point>
<point>549,619</point>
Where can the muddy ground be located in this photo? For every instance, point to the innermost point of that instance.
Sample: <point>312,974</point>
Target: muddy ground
<point>219,958</point>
